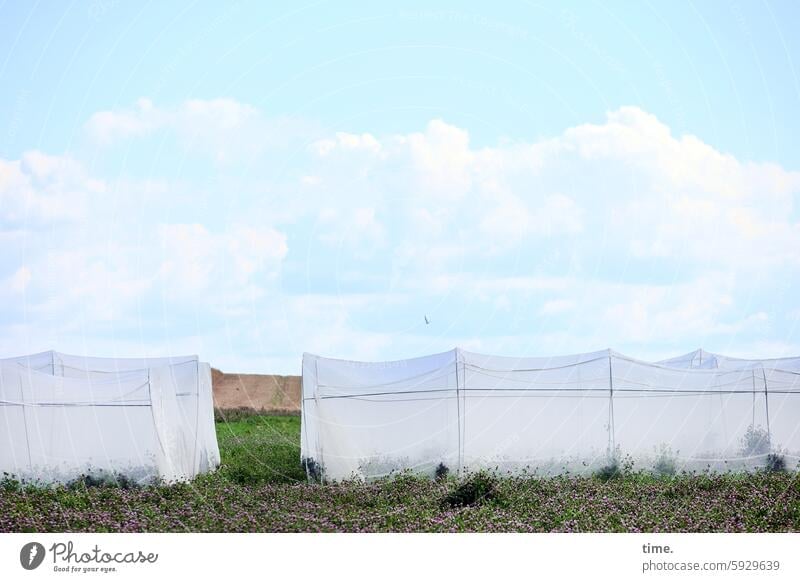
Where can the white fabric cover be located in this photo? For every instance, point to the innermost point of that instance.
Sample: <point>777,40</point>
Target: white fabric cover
<point>179,405</point>
<point>363,418</point>
<point>42,362</point>
<point>709,360</point>
<point>548,415</point>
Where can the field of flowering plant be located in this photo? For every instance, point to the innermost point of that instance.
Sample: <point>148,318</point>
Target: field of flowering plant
<point>262,488</point>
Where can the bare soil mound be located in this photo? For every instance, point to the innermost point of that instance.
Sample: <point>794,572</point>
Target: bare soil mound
<point>265,392</point>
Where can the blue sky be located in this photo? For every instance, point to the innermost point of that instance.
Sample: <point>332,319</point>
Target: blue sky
<point>255,181</point>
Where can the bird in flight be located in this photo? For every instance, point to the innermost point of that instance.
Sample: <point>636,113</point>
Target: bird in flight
<point>427,321</point>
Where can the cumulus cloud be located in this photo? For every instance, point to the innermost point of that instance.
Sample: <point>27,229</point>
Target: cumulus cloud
<point>441,159</point>
<point>556,306</point>
<point>628,184</point>
<point>40,189</point>
<point>357,228</point>
<point>106,127</point>
<point>682,197</point>
<point>20,279</point>
<point>71,288</point>
<point>347,142</point>
<point>616,232</point>
<point>196,261</point>
<point>225,129</point>
<point>194,116</point>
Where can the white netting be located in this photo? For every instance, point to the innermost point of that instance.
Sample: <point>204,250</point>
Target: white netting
<point>63,416</point>
<point>545,415</point>
<point>709,360</point>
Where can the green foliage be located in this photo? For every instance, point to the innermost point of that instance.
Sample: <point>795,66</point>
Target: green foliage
<point>776,463</point>
<point>665,464</point>
<point>441,471</point>
<point>617,466</point>
<point>313,470</point>
<point>755,441</point>
<point>262,487</point>
<point>243,413</point>
<point>261,449</point>
<point>9,483</point>
<point>103,480</point>
<point>609,471</point>
<point>476,489</point>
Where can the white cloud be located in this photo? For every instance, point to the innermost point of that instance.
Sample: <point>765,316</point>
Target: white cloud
<point>508,221</point>
<point>105,127</point>
<point>685,198</point>
<point>612,233</point>
<point>233,263</point>
<point>442,159</point>
<point>556,306</point>
<point>83,285</point>
<point>347,142</point>
<point>627,183</point>
<point>188,262</point>
<point>193,117</point>
<point>20,279</point>
<point>558,214</point>
<point>358,228</point>
<point>41,189</point>
<point>687,311</point>
<point>225,129</point>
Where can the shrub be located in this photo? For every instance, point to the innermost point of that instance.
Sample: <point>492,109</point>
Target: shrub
<point>313,470</point>
<point>90,480</point>
<point>776,463</point>
<point>441,471</point>
<point>609,471</point>
<point>755,442</point>
<point>476,489</point>
<point>9,483</point>
<point>665,465</point>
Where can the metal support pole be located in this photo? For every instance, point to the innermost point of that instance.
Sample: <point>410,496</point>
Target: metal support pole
<point>611,436</point>
<point>458,411</point>
<point>766,405</point>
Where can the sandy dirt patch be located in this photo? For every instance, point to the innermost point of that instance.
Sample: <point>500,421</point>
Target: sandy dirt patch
<point>258,391</point>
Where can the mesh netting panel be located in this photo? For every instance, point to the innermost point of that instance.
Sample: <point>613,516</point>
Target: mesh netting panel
<point>553,415</point>
<point>546,415</point>
<point>59,428</point>
<point>374,419</point>
<point>173,397</point>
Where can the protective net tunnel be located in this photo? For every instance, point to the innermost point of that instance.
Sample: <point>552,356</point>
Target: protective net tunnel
<point>462,411</point>
<point>65,417</point>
